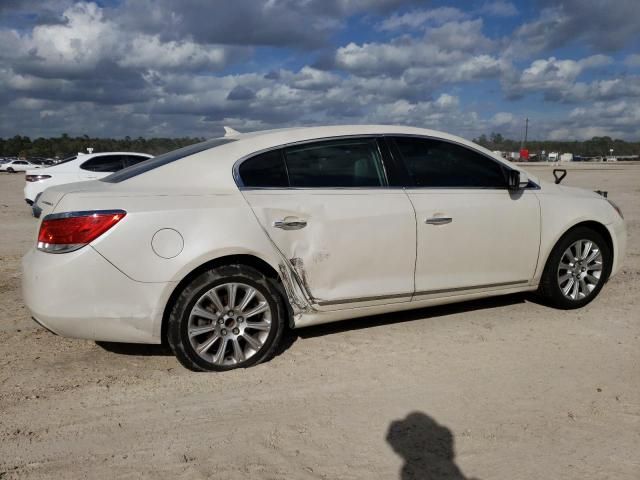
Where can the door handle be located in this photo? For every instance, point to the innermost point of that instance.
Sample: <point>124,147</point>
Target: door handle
<point>438,220</point>
<point>292,224</point>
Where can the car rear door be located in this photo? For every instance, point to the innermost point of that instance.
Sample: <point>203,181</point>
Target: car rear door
<point>100,166</point>
<point>472,232</point>
<point>328,209</point>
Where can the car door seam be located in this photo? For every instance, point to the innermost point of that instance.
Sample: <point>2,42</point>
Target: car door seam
<point>415,258</point>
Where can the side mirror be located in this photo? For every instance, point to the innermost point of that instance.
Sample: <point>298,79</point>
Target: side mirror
<point>517,180</point>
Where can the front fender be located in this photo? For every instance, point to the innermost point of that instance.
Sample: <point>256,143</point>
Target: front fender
<point>561,212</point>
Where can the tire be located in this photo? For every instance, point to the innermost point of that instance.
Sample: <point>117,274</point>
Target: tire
<point>567,283</point>
<point>244,341</point>
<point>10,170</point>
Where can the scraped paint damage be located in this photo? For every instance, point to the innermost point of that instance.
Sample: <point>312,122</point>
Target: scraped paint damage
<point>299,299</point>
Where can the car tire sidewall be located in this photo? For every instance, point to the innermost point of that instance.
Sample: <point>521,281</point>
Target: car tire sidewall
<point>550,288</point>
<point>10,170</point>
<point>177,331</point>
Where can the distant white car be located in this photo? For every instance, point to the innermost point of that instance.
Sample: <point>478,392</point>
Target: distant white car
<point>80,168</point>
<point>218,247</point>
<point>18,166</point>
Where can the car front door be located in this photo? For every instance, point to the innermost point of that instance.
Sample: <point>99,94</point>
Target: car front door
<point>472,232</point>
<point>327,207</point>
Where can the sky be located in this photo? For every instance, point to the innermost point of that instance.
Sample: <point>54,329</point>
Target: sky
<point>187,68</point>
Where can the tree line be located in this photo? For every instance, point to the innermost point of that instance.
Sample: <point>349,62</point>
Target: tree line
<point>64,145</point>
<point>596,146</point>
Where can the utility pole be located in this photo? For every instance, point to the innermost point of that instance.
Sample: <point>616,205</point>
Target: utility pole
<point>526,132</point>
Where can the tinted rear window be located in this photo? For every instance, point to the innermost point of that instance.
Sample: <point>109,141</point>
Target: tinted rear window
<point>153,163</point>
<point>103,163</point>
<point>335,164</point>
<point>264,170</point>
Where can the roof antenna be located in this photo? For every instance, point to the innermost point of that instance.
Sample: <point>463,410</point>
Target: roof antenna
<point>230,132</point>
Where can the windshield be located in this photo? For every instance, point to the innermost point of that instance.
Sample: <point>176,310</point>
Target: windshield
<point>153,163</point>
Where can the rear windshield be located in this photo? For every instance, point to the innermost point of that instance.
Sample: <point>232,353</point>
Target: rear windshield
<point>152,163</point>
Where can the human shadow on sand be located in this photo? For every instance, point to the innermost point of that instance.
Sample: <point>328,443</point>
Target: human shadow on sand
<point>426,448</point>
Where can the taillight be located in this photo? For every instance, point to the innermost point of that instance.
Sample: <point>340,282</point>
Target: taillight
<point>36,178</point>
<point>66,232</point>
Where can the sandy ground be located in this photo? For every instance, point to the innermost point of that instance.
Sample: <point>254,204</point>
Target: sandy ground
<point>497,389</point>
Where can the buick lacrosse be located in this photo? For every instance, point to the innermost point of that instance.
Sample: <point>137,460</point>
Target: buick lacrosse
<point>218,247</point>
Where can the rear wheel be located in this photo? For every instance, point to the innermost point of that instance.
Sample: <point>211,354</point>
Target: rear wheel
<point>577,269</point>
<point>228,317</point>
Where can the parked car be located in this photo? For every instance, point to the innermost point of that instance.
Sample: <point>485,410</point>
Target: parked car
<point>79,168</point>
<point>219,246</point>
<point>17,166</point>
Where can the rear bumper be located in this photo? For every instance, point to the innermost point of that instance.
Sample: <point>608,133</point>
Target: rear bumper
<point>81,295</point>
<point>32,189</point>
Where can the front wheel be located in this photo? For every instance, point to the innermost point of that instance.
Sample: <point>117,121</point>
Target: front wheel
<point>10,170</point>
<point>228,317</point>
<point>577,269</point>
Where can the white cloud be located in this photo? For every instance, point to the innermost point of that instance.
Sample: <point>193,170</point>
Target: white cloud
<point>451,52</point>
<point>502,118</point>
<point>87,38</point>
<point>419,18</point>
<point>499,8</point>
<point>553,77</point>
<point>633,60</point>
<point>148,52</point>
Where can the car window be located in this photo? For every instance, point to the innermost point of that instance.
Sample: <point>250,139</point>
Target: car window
<point>133,159</point>
<point>160,160</point>
<point>437,163</point>
<point>103,163</point>
<point>19,162</point>
<point>339,163</point>
<point>264,170</point>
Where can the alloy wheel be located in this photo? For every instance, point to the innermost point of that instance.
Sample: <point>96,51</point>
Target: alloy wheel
<point>229,323</point>
<point>580,269</point>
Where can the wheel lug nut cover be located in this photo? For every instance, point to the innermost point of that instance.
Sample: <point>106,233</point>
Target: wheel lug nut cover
<point>236,331</point>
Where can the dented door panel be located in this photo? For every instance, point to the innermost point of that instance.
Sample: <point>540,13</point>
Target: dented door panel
<point>344,245</point>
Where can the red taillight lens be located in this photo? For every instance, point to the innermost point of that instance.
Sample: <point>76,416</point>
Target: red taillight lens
<point>36,178</point>
<point>66,232</point>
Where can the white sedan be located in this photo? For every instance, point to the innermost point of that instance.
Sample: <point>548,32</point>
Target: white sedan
<point>79,168</point>
<point>220,246</point>
<point>13,166</point>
